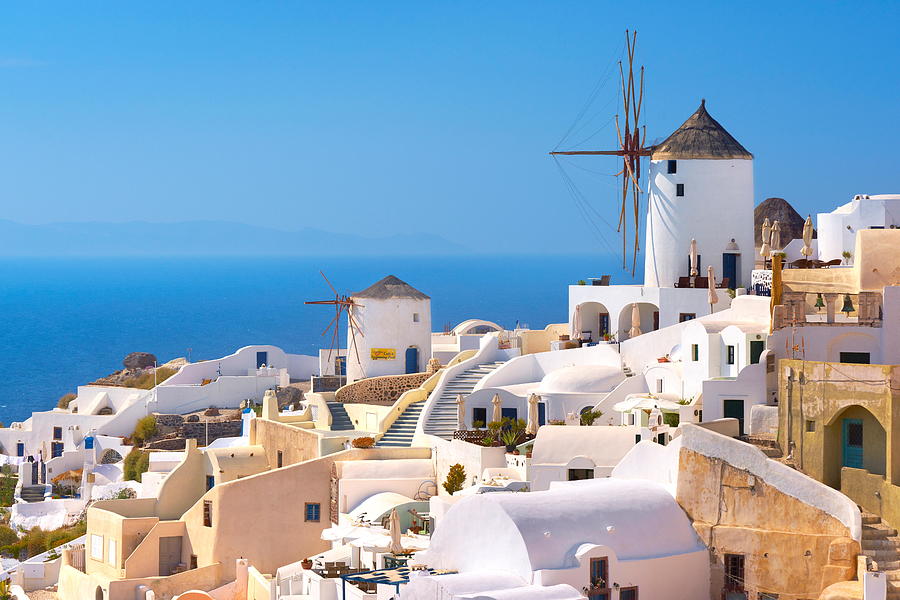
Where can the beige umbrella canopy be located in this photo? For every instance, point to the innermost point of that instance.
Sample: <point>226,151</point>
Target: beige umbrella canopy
<point>766,237</point>
<point>396,547</point>
<point>775,241</point>
<point>498,412</point>
<point>635,321</point>
<point>713,294</point>
<point>693,255</point>
<point>532,427</point>
<point>460,412</point>
<point>807,250</point>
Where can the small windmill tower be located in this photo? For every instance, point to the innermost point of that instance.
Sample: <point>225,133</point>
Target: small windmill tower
<point>700,187</point>
<point>393,336</point>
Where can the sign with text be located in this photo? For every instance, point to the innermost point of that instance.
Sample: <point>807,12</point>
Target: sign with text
<point>383,353</point>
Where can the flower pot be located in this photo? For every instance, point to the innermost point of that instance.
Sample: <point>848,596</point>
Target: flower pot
<point>510,447</point>
<point>663,359</point>
<point>516,452</point>
<point>415,529</point>
<point>306,564</point>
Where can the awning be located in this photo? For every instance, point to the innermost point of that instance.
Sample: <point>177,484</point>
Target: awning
<point>664,402</point>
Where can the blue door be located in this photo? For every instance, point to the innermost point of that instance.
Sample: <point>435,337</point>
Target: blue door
<point>412,360</point>
<point>729,269</point>
<point>542,413</point>
<point>262,358</point>
<point>734,409</point>
<point>853,443</point>
<point>512,413</point>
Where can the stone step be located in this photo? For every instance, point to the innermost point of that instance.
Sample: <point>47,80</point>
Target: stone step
<point>870,532</point>
<point>870,519</point>
<point>878,544</point>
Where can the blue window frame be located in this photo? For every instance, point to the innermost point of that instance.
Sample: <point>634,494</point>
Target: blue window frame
<point>312,512</point>
<point>20,449</point>
<point>210,482</point>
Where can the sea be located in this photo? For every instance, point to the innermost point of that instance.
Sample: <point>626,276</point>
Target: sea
<point>65,322</point>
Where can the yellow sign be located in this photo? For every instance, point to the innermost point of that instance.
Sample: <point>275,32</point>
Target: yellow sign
<point>383,353</point>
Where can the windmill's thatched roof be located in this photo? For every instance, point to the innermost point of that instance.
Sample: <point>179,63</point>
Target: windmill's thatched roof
<point>778,209</point>
<point>700,136</point>
<point>391,287</point>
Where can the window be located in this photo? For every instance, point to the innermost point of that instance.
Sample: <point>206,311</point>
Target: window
<point>756,349</point>
<point>629,593</point>
<point>580,474</point>
<point>210,482</point>
<point>20,449</point>
<point>682,317</point>
<point>207,513</point>
<point>280,459</point>
<point>56,449</point>
<point>729,355</point>
<point>672,167</point>
<point>810,425</point>
<point>312,512</point>
<point>599,584</point>
<point>479,415</point>
<point>734,572</point>
<point>415,317</point>
<point>193,561</point>
<point>679,189</point>
<point>767,596</point>
<point>96,546</point>
<point>860,358</point>
<point>695,352</point>
<point>659,386</point>
<point>57,433</point>
<point>111,553</point>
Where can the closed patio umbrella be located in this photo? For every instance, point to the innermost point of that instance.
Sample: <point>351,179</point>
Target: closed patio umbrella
<point>713,294</point>
<point>460,412</point>
<point>396,547</point>
<point>693,255</point>
<point>635,321</point>
<point>765,248</point>
<point>775,240</point>
<point>807,237</point>
<point>532,427</point>
<point>576,323</point>
<point>498,412</point>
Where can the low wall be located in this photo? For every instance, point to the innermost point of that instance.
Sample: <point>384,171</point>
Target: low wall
<point>873,493</point>
<point>382,390</point>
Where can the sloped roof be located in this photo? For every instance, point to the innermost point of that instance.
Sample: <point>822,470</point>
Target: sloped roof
<point>391,287</point>
<point>700,137</point>
<point>789,220</point>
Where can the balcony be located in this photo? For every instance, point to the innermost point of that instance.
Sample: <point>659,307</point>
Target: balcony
<point>802,309</point>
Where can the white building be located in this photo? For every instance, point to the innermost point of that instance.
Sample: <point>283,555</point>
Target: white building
<point>837,229</point>
<point>391,334</point>
<point>701,187</point>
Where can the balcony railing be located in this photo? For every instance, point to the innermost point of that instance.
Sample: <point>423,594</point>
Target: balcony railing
<point>800,309</point>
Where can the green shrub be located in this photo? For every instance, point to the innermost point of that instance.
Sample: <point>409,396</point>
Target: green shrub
<point>144,430</point>
<point>64,400</point>
<point>671,419</point>
<point>589,416</point>
<point>146,379</point>
<point>455,479</point>
<point>7,536</point>
<point>36,541</point>
<point>136,464</point>
<point>7,490</point>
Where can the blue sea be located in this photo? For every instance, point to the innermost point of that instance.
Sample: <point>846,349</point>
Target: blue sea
<point>66,322</point>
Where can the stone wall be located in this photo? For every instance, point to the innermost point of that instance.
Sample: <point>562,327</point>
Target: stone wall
<point>380,390</point>
<point>790,548</point>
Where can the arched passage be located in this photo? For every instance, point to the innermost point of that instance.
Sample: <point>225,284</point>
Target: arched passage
<point>854,438</point>
<point>591,322</point>
<point>649,319</point>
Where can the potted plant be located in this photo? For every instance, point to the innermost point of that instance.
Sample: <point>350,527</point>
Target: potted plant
<point>847,256</point>
<point>663,359</point>
<point>306,564</point>
<point>363,442</point>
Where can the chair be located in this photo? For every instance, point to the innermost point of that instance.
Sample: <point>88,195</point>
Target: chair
<point>604,280</point>
<point>726,282</point>
<point>801,263</point>
<point>683,282</point>
<point>832,263</point>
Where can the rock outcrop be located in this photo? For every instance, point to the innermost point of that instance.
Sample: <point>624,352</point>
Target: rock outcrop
<point>139,360</point>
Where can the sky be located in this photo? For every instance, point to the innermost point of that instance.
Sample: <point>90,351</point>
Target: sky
<point>418,116</point>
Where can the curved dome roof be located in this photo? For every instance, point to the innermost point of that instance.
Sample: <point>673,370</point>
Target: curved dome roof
<point>581,379</point>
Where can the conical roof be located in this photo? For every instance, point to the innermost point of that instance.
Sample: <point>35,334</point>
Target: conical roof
<point>702,137</point>
<point>778,209</point>
<point>390,287</point>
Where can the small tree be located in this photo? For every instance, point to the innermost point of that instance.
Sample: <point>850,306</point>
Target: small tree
<point>589,416</point>
<point>136,464</point>
<point>65,400</point>
<point>144,430</point>
<point>455,479</point>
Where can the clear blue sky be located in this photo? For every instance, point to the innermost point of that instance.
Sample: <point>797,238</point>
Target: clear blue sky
<point>409,116</point>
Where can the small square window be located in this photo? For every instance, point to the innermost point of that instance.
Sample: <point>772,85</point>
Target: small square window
<point>810,425</point>
<point>672,167</point>
<point>280,459</point>
<point>580,474</point>
<point>415,317</point>
<point>207,513</point>
<point>312,512</point>
<point>96,546</point>
<point>210,482</point>
<point>729,355</point>
<point>679,189</point>
<point>659,386</point>
<point>57,433</point>
<point>682,317</point>
<point>695,352</point>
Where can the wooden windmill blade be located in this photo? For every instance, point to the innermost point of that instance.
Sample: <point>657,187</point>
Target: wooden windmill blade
<point>631,147</point>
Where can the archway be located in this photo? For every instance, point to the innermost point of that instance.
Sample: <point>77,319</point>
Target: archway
<point>591,322</point>
<point>649,313</point>
<point>98,594</point>
<point>854,438</point>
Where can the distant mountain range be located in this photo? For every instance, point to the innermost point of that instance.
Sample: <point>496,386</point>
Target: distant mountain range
<point>197,238</point>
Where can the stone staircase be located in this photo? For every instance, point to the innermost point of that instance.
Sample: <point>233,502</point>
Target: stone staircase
<point>766,443</point>
<point>400,433</point>
<point>33,493</point>
<point>442,420</point>
<point>340,420</point>
<point>881,544</point>
<point>627,370</point>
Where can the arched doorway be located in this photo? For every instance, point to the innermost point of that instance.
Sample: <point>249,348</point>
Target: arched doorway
<point>649,314</point>
<point>591,322</point>
<point>98,594</point>
<point>854,438</point>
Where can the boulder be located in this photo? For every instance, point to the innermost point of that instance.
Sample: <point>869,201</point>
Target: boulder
<point>139,360</point>
<point>288,395</point>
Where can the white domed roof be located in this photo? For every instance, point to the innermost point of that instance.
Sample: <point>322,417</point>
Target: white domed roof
<point>581,379</point>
